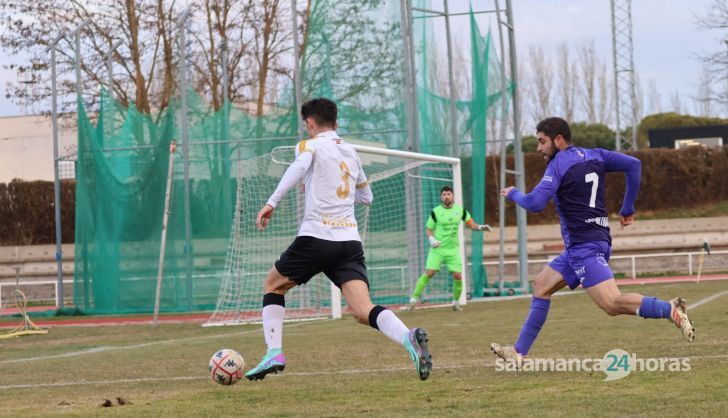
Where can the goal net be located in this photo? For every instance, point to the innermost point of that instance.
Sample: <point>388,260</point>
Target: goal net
<point>406,187</point>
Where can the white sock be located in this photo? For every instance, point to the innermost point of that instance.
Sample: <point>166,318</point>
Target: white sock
<point>391,326</point>
<point>273,325</point>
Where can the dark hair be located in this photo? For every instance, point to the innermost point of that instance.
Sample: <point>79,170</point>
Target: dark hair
<point>322,110</point>
<point>553,127</point>
<point>446,189</point>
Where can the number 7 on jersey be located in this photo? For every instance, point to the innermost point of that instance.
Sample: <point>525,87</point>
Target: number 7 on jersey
<point>594,179</point>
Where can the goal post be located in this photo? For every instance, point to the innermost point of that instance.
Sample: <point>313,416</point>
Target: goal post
<point>406,187</point>
<point>457,185</point>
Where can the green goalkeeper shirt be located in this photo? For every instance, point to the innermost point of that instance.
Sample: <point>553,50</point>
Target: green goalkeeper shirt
<point>444,223</point>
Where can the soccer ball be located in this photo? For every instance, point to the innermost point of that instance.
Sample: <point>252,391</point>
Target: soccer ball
<point>226,367</point>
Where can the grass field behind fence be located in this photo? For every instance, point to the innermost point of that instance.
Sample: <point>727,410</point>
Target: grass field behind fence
<point>340,368</point>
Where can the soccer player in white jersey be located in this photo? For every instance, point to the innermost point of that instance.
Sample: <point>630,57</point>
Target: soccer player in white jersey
<point>328,240</point>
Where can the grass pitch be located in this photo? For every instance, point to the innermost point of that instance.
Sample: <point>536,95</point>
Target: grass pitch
<point>340,368</point>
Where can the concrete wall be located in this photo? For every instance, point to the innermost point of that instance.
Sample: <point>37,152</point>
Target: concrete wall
<point>37,271</point>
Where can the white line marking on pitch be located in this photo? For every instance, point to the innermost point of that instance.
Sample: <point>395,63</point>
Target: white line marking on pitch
<point>123,347</point>
<point>102,349</point>
<point>708,299</point>
<point>287,374</point>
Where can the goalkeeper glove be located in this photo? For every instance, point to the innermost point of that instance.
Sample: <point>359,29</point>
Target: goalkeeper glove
<point>433,242</point>
<point>486,227</point>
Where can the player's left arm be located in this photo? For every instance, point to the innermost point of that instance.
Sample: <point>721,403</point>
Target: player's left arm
<point>632,169</point>
<point>363,194</point>
<point>474,225</point>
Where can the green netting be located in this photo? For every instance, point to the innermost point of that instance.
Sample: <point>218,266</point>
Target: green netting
<point>474,114</point>
<point>353,53</point>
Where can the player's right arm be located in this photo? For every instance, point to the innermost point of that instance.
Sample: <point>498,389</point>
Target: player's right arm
<point>294,174</point>
<point>429,227</point>
<point>538,198</point>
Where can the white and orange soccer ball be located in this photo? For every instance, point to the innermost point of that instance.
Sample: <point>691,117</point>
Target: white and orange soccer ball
<point>226,367</point>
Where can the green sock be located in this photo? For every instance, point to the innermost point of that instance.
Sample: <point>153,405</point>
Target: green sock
<point>420,286</point>
<point>457,289</point>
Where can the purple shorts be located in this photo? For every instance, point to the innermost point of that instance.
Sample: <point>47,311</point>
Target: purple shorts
<point>584,264</point>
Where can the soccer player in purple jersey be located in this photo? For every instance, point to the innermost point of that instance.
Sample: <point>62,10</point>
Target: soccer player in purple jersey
<point>574,179</point>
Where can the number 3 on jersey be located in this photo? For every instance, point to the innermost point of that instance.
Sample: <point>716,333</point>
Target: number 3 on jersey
<point>594,179</point>
<point>343,190</point>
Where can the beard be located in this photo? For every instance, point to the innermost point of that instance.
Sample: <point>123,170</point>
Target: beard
<point>548,158</point>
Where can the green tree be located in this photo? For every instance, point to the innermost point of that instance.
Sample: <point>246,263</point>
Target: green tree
<point>596,135</point>
<point>528,144</point>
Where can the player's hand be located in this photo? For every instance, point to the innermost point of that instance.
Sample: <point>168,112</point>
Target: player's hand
<point>507,190</point>
<point>626,220</point>
<point>433,242</point>
<point>264,216</point>
<point>485,227</point>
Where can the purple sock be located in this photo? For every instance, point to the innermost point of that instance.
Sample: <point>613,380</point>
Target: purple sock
<point>535,320</point>
<point>654,308</point>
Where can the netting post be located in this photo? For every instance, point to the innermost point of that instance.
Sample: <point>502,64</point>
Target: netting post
<point>56,177</point>
<point>457,180</point>
<point>518,152</point>
<point>77,34</point>
<point>413,195</point>
<point>109,70</point>
<point>502,178</point>
<point>183,127</point>
<point>296,70</point>
<point>451,82</point>
<point>165,220</point>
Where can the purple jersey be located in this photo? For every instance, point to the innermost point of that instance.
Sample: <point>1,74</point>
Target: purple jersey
<point>574,178</point>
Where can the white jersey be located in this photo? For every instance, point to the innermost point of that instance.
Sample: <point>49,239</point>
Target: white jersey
<point>331,182</point>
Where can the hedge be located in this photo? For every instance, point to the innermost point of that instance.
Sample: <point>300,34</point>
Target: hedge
<point>683,178</point>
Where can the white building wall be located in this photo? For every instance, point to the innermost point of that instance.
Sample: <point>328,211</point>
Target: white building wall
<point>26,147</point>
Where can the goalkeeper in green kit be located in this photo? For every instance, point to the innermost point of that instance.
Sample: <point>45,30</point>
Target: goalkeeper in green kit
<point>442,231</point>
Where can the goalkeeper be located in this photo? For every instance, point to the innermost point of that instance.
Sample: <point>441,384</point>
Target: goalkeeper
<point>442,231</point>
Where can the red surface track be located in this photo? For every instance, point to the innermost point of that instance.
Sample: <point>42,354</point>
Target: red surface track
<point>11,322</point>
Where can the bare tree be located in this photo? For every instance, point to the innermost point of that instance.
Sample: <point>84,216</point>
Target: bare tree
<point>142,26</point>
<point>704,99</point>
<point>716,19</point>
<point>587,68</point>
<point>227,25</point>
<point>146,61</point>
<point>164,15</point>
<point>654,100</point>
<point>132,16</point>
<point>541,80</point>
<point>676,104</point>
<point>605,103</point>
<point>525,98</point>
<point>271,41</point>
<point>568,80</point>
<point>351,53</point>
<point>639,98</point>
